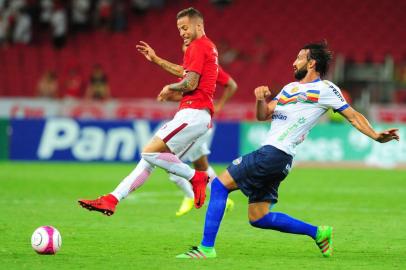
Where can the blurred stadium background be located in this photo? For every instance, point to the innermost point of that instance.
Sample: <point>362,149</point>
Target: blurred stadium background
<point>50,49</point>
<point>77,102</point>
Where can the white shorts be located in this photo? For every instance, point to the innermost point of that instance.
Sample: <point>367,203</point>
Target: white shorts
<point>200,148</point>
<point>184,129</point>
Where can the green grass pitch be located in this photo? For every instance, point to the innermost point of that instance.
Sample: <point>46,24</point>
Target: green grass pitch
<point>366,207</point>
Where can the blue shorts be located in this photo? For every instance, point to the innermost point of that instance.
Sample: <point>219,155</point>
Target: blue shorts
<point>259,173</point>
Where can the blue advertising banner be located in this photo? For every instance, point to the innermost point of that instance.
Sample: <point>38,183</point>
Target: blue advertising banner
<point>66,139</point>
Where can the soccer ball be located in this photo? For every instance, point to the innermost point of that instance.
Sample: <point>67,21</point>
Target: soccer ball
<point>46,240</point>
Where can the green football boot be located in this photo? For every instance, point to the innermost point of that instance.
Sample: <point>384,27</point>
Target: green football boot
<point>199,252</point>
<point>185,207</point>
<point>324,240</point>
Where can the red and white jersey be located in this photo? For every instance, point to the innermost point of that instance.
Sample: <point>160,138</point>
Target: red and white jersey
<point>201,57</point>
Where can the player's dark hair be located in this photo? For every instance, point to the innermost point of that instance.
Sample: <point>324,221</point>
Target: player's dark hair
<point>189,12</point>
<point>321,54</point>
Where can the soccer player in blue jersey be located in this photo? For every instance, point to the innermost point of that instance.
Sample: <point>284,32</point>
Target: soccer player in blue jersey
<point>293,112</point>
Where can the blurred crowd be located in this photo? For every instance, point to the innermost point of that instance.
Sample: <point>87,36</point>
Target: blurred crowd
<point>74,86</point>
<point>19,19</point>
<point>40,22</point>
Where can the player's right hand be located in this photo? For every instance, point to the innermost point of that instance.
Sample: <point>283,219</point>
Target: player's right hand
<point>146,50</point>
<point>262,92</point>
<point>388,135</point>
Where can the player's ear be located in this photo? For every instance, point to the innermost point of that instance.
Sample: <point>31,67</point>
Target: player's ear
<point>199,26</point>
<point>311,64</point>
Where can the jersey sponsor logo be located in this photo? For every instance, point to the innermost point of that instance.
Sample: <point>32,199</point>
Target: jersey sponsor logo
<point>279,116</point>
<point>291,128</point>
<point>337,93</point>
<point>287,169</point>
<point>237,161</point>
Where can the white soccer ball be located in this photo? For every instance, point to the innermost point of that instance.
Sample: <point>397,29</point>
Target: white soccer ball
<point>46,240</point>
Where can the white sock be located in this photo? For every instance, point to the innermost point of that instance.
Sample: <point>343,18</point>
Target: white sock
<point>170,163</point>
<point>134,180</point>
<point>212,174</point>
<point>183,185</point>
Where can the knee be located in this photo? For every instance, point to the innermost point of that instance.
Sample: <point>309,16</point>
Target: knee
<point>257,211</point>
<point>253,217</point>
<point>263,222</point>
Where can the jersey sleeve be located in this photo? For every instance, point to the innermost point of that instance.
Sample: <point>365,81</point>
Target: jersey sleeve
<point>195,58</point>
<point>278,95</point>
<point>223,77</point>
<point>332,98</point>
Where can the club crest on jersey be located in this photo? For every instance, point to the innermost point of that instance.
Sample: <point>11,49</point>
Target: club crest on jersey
<point>294,90</point>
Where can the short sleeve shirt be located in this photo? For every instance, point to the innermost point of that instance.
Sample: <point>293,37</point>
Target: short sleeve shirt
<point>201,57</point>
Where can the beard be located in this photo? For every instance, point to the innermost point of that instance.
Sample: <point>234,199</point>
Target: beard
<point>301,73</point>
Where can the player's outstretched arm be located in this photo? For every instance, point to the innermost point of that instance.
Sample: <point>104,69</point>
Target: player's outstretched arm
<point>150,55</point>
<point>229,90</point>
<point>263,109</point>
<point>361,123</point>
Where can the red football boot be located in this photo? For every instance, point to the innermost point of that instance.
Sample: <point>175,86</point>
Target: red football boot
<point>199,182</point>
<point>104,204</point>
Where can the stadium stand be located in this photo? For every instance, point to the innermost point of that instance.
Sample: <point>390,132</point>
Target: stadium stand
<point>356,29</point>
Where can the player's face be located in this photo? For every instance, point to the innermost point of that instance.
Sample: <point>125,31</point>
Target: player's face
<point>300,65</point>
<point>187,29</point>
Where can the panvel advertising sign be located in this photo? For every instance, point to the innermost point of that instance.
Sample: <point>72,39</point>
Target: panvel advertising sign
<point>66,139</point>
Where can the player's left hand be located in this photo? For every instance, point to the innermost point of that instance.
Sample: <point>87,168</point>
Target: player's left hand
<point>163,95</point>
<point>388,135</point>
<point>146,50</point>
<point>262,92</point>
<point>167,94</point>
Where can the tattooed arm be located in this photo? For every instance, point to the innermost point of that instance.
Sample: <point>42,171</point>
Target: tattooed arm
<point>172,68</point>
<point>189,83</point>
<point>173,92</point>
<point>150,55</point>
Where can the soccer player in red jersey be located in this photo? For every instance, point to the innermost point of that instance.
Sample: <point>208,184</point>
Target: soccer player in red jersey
<point>191,121</point>
<point>198,151</point>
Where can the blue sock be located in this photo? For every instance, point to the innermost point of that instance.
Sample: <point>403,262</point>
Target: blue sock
<point>215,212</point>
<point>284,223</point>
